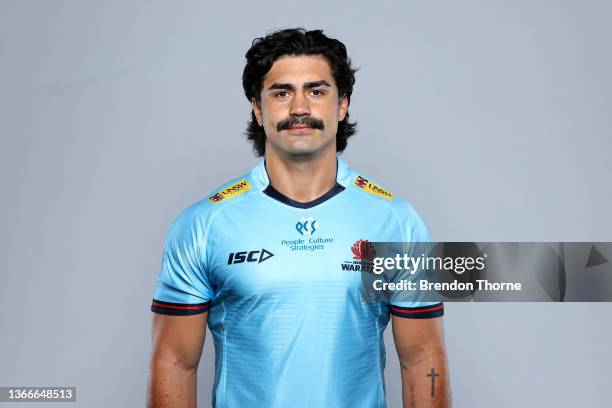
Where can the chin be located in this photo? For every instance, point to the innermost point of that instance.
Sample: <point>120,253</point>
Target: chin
<point>303,148</point>
<point>301,152</point>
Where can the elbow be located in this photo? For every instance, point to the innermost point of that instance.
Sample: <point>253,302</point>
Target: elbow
<point>169,361</point>
<point>410,357</point>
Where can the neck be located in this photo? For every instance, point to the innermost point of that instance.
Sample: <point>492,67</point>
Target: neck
<point>302,179</point>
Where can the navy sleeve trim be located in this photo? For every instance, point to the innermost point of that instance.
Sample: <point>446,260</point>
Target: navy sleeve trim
<point>421,312</point>
<point>179,309</point>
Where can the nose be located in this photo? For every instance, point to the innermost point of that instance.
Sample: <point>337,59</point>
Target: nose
<point>299,105</point>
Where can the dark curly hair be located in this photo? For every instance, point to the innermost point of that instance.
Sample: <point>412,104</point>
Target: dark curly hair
<point>266,50</point>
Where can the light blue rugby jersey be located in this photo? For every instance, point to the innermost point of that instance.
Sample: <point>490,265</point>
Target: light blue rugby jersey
<point>289,324</point>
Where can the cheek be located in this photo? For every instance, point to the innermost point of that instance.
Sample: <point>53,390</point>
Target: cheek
<point>272,115</point>
<point>332,128</point>
<point>331,113</point>
<point>270,120</point>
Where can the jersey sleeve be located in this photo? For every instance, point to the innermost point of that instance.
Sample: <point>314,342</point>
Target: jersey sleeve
<point>415,230</point>
<point>183,286</point>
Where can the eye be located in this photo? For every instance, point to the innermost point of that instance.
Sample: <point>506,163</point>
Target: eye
<point>281,94</point>
<point>318,92</point>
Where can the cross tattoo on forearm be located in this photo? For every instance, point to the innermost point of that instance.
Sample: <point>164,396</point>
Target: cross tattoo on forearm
<point>433,376</point>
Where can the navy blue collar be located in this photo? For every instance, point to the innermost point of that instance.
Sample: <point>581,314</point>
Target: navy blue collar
<point>277,195</point>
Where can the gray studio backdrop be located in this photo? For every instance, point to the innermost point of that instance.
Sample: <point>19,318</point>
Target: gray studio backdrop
<point>491,117</point>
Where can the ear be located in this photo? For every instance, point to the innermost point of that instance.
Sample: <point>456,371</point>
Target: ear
<point>343,104</point>
<point>257,111</point>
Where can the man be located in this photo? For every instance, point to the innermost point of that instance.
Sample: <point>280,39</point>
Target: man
<point>260,259</point>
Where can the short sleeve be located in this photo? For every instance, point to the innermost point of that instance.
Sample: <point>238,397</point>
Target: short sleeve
<point>415,231</point>
<point>183,286</point>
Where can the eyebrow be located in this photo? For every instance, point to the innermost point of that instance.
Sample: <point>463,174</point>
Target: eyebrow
<point>307,85</point>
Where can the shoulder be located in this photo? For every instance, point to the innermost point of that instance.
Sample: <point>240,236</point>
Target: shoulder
<point>197,217</point>
<point>407,215</point>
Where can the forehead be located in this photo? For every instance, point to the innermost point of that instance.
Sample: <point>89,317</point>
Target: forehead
<point>299,69</point>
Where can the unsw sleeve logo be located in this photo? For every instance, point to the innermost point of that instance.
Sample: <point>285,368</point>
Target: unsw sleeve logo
<point>373,188</point>
<point>234,190</point>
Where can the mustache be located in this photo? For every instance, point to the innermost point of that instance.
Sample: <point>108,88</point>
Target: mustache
<point>302,120</point>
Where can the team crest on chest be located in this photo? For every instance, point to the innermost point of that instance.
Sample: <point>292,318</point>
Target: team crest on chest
<point>363,255</point>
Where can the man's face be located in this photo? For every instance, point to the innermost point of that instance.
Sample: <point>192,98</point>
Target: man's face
<point>300,109</point>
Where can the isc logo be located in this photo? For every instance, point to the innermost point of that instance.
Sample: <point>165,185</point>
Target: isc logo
<point>249,256</point>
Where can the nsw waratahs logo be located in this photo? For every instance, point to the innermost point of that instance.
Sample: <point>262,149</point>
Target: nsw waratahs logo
<point>363,256</point>
<point>363,250</point>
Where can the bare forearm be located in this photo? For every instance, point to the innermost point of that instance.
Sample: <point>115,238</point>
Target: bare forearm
<point>425,381</point>
<point>171,386</point>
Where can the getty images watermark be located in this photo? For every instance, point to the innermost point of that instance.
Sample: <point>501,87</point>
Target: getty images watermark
<point>457,265</point>
<point>486,271</point>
